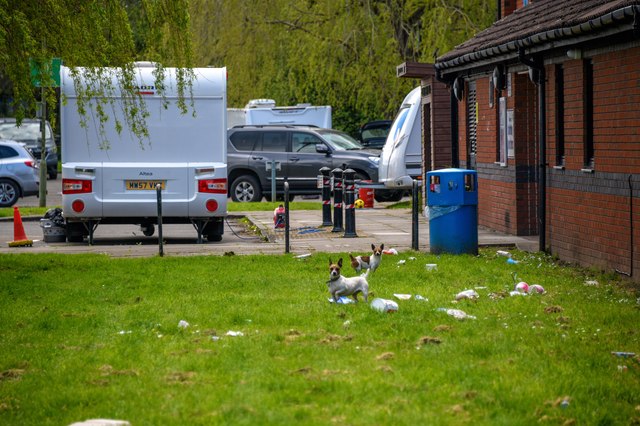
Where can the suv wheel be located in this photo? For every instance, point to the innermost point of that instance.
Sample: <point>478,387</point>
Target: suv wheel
<point>246,189</point>
<point>9,193</point>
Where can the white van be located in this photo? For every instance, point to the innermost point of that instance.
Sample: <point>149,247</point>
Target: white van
<point>401,158</point>
<point>184,153</point>
<point>265,112</point>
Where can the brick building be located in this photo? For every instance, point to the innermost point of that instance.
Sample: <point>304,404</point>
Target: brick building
<point>547,110</point>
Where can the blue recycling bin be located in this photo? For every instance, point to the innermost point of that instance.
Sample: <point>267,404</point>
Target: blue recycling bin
<point>452,208</point>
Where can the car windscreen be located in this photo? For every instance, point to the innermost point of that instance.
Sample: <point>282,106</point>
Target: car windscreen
<point>340,141</point>
<point>26,131</point>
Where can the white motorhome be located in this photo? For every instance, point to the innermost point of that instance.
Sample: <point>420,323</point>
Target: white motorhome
<point>401,158</point>
<point>185,154</point>
<point>264,112</point>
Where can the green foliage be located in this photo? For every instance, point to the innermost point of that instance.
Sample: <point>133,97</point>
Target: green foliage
<point>88,336</point>
<point>91,34</point>
<point>338,53</point>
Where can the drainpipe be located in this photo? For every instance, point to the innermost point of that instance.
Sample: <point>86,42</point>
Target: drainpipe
<point>542,182</point>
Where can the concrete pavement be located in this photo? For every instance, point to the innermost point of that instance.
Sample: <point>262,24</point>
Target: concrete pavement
<point>378,225</point>
<point>373,226</point>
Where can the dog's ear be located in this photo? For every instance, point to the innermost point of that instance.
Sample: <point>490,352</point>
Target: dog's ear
<point>381,246</point>
<point>340,263</point>
<point>330,262</point>
<point>373,247</point>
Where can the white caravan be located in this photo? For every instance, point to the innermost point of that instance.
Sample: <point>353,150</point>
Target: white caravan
<point>401,158</point>
<point>111,176</point>
<point>260,112</point>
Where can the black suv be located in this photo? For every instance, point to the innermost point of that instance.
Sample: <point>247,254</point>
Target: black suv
<point>298,152</point>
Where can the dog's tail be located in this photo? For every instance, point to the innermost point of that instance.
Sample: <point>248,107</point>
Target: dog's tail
<point>366,273</point>
<point>351,257</point>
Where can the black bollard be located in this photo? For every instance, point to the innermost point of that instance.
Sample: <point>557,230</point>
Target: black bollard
<point>160,242</point>
<point>337,200</point>
<point>414,216</point>
<point>326,196</point>
<point>349,204</point>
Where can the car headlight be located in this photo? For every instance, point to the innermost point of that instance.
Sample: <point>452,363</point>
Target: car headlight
<point>375,160</point>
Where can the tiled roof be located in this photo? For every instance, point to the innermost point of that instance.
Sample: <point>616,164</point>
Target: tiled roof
<point>538,17</point>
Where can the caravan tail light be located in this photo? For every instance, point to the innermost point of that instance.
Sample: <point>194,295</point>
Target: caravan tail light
<point>212,205</point>
<point>77,206</point>
<point>76,186</point>
<point>213,186</point>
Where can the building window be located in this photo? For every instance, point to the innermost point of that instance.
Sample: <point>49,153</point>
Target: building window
<point>589,162</point>
<point>559,116</point>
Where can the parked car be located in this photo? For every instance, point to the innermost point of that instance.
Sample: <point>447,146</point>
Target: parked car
<point>373,134</point>
<point>19,174</point>
<point>298,151</point>
<point>30,134</point>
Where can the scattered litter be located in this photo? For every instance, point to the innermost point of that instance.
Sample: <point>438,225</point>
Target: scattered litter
<point>183,324</point>
<point>309,231</point>
<point>467,294</point>
<point>401,262</point>
<point>431,266</point>
<point>624,354</point>
<point>418,297</point>
<point>343,300</point>
<point>234,333</point>
<point>511,261</point>
<point>402,296</point>
<point>536,288</point>
<point>456,313</point>
<point>346,324</point>
<point>565,402</point>
<point>622,368</point>
<point>480,288</point>
<point>384,305</point>
<point>503,253</point>
<point>215,338</point>
<point>594,283</point>
<point>517,293</point>
<point>522,287</point>
<point>412,258</point>
<point>390,251</point>
<point>101,422</point>
<point>303,256</point>
<point>124,332</point>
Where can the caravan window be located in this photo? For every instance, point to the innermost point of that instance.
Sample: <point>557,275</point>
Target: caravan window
<point>398,123</point>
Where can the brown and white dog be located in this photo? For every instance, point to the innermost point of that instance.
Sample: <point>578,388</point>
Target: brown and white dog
<point>339,285</point>
<point>370,263</point>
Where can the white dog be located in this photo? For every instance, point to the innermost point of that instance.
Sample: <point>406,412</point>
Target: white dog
<point>340,286</point>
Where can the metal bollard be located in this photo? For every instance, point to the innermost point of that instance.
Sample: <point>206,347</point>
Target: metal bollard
<point>414,216</point>
<point>326,196</point>
<point>349,204</point>
<point>286,217</point>
<point>160,242</point>
<point>337,200</point>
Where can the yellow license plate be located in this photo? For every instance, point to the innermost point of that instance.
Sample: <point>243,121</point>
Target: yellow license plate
<point>144,185</point>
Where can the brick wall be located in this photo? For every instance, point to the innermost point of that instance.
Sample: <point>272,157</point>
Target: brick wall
<point>589,215</point>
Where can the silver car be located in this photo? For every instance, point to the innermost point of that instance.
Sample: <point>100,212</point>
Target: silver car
<point>19,175</point>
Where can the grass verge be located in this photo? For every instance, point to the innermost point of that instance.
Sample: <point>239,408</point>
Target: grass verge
<point>88,336</point>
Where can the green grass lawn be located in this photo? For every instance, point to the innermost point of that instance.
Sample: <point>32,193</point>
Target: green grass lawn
<point>88,336</point>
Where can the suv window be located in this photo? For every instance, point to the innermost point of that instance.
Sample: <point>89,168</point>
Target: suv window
<point>245,141</point>
<point>273,142</point>
<point>7,152</point>
<point>304,143</point>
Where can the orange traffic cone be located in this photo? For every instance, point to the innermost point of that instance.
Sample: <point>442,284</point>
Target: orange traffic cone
<point>19,237</point>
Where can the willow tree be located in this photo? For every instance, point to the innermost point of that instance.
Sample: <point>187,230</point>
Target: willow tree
<point>89,35</point>
<point>342,53</point>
